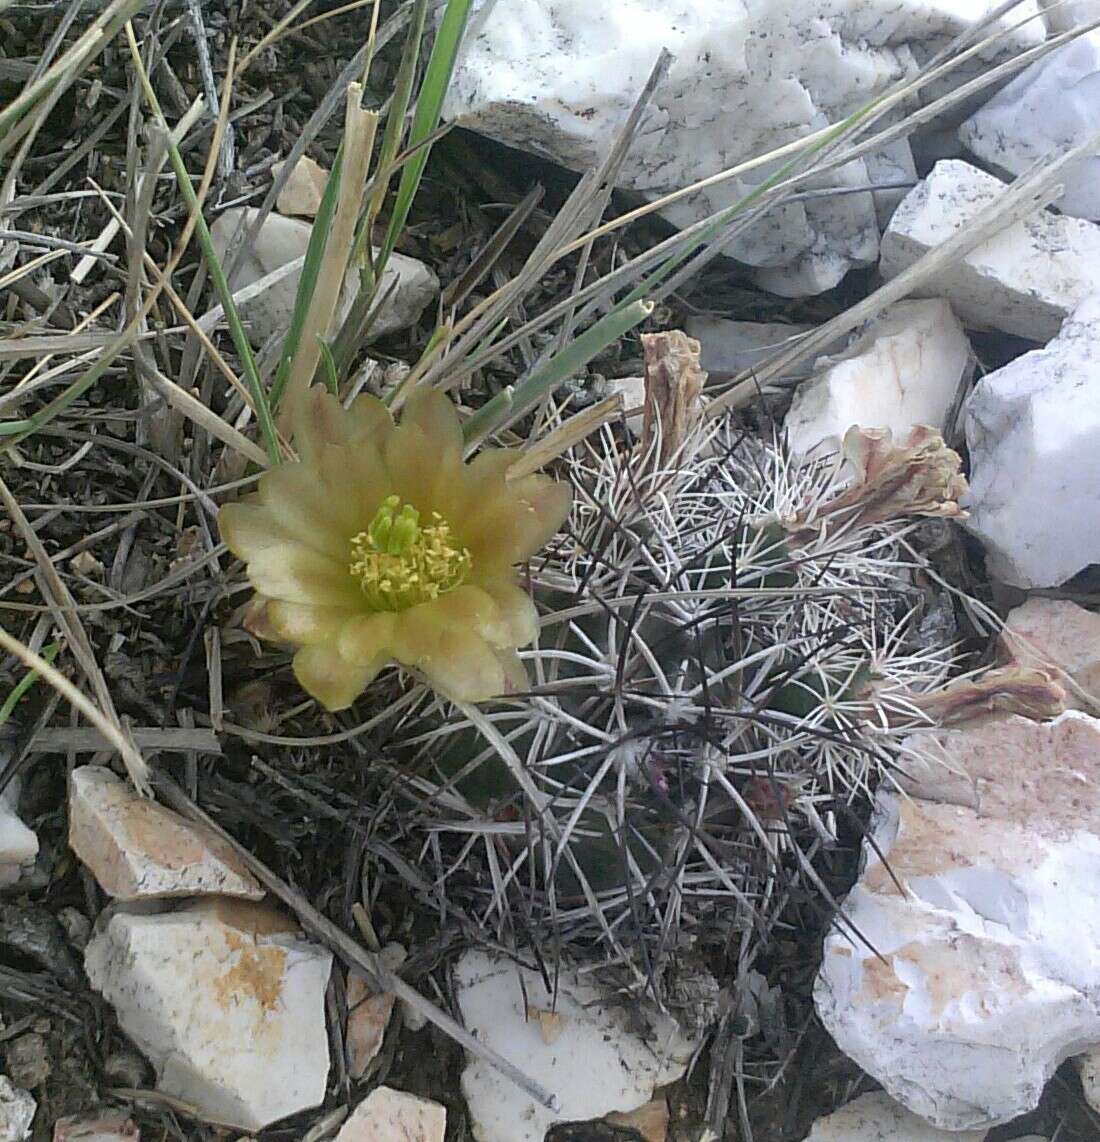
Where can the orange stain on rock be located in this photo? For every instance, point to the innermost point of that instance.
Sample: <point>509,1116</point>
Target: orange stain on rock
<point>257,974</point>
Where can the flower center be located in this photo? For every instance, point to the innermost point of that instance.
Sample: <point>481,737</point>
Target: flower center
<point>400,564</point>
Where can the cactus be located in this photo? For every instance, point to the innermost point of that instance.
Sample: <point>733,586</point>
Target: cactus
<point>725,665</point>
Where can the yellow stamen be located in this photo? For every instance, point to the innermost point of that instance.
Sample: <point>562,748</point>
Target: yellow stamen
<point>400,564</point>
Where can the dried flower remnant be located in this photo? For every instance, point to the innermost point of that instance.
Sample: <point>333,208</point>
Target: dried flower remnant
<point>380,545</point>
<point>674,384</point>
<point>1022,690</point>
<point>919,477</point>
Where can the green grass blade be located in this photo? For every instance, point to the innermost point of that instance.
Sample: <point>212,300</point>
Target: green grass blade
<point>491,413</point>
<point>49,653</point>
<point>395,124</point>
<point>315,256</point>
<point>559,368</point>
<point>328,368</point>
<point>429,107</point>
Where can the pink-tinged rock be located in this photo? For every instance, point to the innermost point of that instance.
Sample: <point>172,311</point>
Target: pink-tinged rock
<point>650,1121</point>
<point>905,370</point>
<point>983,970</point>
<point>388,1115</point>
<point>96,1128</point>
<point>1058,634</point>
<point>369,1014</point>
<point>304,188</point>
<point>137,849</point>
<point>226,1002</point>
<point>876,1117</point>
<point>368,1017</point>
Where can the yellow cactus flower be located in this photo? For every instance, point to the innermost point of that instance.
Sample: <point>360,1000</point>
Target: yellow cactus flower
<point>379,545</point>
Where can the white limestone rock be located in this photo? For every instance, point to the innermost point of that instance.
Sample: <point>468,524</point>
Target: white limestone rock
<point>1088,1067</point>
<point>1050,107</point>
<point>1033,430</point>
<point>283,241</point>
<point>876,1117</point>
<point>388,1115</point>
<point>586,1050</point>
<point>1025,281</point>
<point>559,77</point>
<point>1058,635</point>
<point>1065,15</point>
<point>18,842</point>
<point>17,1110</point>
<point>226,1002</point>
<point>895,170</point>
<point>139,850</point>
<point>906,369</point>
<point>985,972</point>
<point>729,347</point>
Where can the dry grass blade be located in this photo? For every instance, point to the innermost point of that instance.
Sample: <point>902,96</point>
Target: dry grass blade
<point>20,430</point>
<point>147,739</point>
<point>581,210</point>
<point>63,608</point>
<point>457,292</point>
<point>109,730</point>
<point>566,436</point>
<point>196,224</point>
<point>17,119</point>
<point>359,131</point>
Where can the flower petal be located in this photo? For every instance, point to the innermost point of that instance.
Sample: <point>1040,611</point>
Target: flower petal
<point>466,668</point>
<point>325,421</point>
<point>467,607</point>
<point>367,637</point>
<point>485,476</point>
<point>357,478</point>
<point>434,414</point>
<point>489,468</point>
<point>321,420</point>
<point>308,508</point>
<point>369,422</point>
<point>294,574</point>
<point>516,522</point>
<point>424,472</point>
<point>459,664</point>
<point>306,624</point>
<point>247,528</point>
<point>333,681</point>
<point>517,620</point>
<point>497,610</point>
<point>255,619</point>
